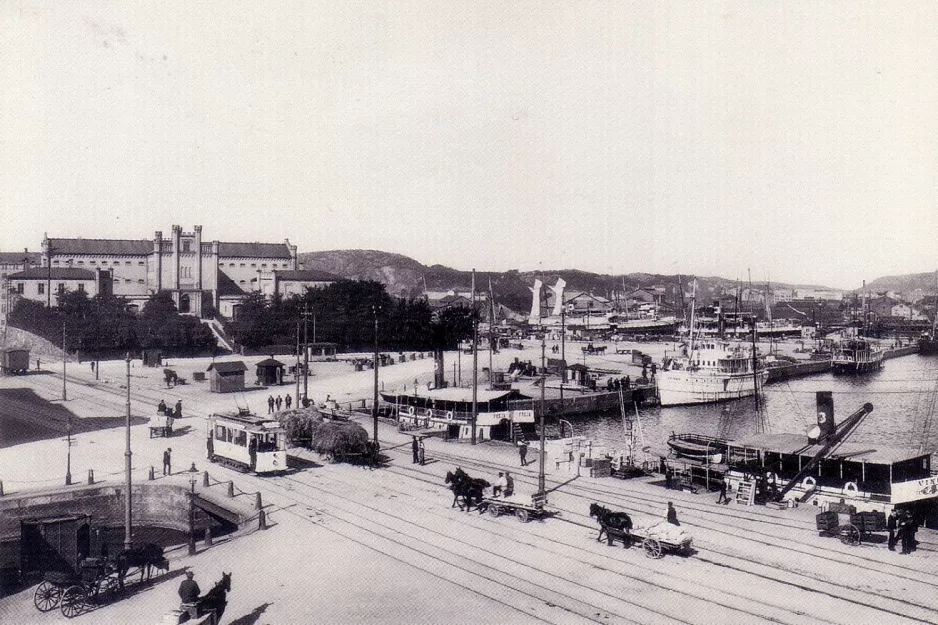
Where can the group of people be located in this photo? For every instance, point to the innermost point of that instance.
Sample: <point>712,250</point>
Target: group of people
<point>279,401</point>
<point>902,527</point>
<point>175,412</point>
<point>504,485</point>
<point>419,450</point>
<point>614,384</point>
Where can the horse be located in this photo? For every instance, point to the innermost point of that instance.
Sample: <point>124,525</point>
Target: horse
<point>145,556</point>
<point>216,599</point>
<point>618,522</point>
<point>469,488</point>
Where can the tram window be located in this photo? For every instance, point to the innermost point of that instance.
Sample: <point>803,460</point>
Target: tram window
<point>220,432</point>
<point>241,438</point>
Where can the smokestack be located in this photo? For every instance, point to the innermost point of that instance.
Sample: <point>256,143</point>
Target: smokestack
<point>558,296</point>
<point>536,302</point>
<point>825,418</point>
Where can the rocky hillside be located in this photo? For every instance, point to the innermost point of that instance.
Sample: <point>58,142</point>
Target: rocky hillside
<point>904,284</point>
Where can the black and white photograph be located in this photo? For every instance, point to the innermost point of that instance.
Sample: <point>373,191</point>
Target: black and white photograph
<point>508,312</point>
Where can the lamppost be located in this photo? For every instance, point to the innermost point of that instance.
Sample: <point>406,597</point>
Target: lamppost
<point>127,467</point>
<point>191,495</point>
<point>475,360</point>
<point>374,406</point>
<point>540,472</point>
<point>68,456</point>
<point>64,359</point>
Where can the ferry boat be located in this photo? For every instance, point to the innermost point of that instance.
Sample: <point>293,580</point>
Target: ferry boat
<point>711,370</point>
<point>856,355</point>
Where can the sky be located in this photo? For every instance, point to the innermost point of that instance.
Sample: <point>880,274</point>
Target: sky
<point>794,142</point>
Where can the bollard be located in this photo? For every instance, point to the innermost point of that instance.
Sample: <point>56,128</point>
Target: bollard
<point>90,476</point>
<point>261,520</point>
<point>208,536</point>
<point>257,501</point>
<point>231,489</point>
<point>151,476</point>
<point>205,479</point>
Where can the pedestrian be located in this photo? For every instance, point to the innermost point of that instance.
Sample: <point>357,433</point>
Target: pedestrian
<point>270,404</point>
<point>668,478</point>
<point>421,452</point>
<point>92,366</point>
<point>723,498</point>
<point>627,383</point>
<point>891,527</point>
<point>168,461</point>
<point>662,465</point>
<point>210,445</point>
<point>37,364</point>
<point>903,532</point>
<point>178,413</point>
<point>523,452</point>
<point>289,401</point>
<point>672,515</point>
<point>279,402</point>
<point>415,449</point>
<point>161,407</point>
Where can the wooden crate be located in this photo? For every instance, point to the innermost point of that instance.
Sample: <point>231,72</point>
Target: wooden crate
<point>827,521</point>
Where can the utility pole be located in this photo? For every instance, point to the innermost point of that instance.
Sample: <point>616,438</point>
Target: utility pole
<point>127,468</point>
<point>64,358</point>
<point>540,473</point>
<point>68,457</point>
<point>374,407</point>
<point>306,346</point>
<point>298,364</point>
<point>475,359</point>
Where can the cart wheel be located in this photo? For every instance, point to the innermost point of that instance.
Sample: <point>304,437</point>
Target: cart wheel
<point>494,510</point>
<point>849,535</point>
<point>47,596</point>
<point>652,548</point>
<point>108,588</point>
<point>73,601</point>
<point>523,515</point>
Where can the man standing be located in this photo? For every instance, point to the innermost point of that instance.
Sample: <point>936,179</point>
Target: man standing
<point>270,404</point>
<point>421,452</point>
<point>672,514</point>
<point>523,452</point>
<point>178,414</point>
<point>723,498</point>
<point>414,448</point>
<point>168,461</point>
<point>891,526</point>
<point>668,478</point>
<point>279,402</point>
<point>288,400</point>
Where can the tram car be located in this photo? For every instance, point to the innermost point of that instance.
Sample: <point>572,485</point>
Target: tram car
<point>247,442</point>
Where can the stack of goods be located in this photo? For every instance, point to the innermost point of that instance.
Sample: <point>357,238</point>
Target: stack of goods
<point>668,533</point>
<point>601,467</point>
<point>827,521</point>
<point>874,521</point>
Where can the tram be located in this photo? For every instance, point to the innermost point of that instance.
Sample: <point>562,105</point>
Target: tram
<point>247,442</point>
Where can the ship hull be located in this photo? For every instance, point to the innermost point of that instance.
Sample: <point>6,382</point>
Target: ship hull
<point>850,367</point>
<point>929,347</point>
<point>683,387</point>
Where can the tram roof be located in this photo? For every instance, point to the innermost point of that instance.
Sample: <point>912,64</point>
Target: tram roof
<point>797,445</point>
<point>250,421</point>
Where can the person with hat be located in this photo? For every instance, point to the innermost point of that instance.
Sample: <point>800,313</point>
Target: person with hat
<point>189,592</point>
<point>168,461</point>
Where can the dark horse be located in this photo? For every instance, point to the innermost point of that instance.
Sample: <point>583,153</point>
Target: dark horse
<point>469,488</point>
<point>144,556</point>
<point>612,523</point>
<point>217,598</point>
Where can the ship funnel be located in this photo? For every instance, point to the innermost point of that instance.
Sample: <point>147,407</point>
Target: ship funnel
<point>558,296</point>
<point>536,302</point>
<point>825,418</point>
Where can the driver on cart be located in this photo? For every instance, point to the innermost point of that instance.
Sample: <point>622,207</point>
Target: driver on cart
<point>501,485</point>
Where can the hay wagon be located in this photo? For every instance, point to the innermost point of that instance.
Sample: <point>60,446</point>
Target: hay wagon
<point>852,528</point>
<point>524,509</point>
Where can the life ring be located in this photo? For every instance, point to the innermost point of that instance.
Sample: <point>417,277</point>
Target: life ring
<point>809,482</point>
<point>449,415</point>
<point>429,413</point>
<point>851,487</point>
<point>409,411</point>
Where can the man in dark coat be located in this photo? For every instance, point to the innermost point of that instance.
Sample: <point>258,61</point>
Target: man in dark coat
<point>189,594</point>
<point>168,461</point>
<point>668,478</point>
<point>672,514</point>
<point>891,526</point>
<point>523,452</point>
<point>270,404</point>
<point>723,498</point>
<point>415,448</point>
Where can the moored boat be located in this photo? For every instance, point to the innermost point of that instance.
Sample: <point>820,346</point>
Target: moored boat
<point>698,447</point>
<point>857,355</point>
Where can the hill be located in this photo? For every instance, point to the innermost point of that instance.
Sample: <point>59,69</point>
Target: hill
<point>904,284</point>
<point>405,277</point>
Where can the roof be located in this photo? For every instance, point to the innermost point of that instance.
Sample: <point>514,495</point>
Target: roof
<point>306,275</point>
<point>111,247</point>
<point>57,273</point>
<point>460,395</point>
<point>228,366</point>
<point>270,362</point>
<point>17,258</point>
<point>227,286</point>
<point>788,443</point>
<point>254,250</point>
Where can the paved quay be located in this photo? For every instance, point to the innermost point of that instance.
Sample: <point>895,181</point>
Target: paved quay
<point>352,545</point>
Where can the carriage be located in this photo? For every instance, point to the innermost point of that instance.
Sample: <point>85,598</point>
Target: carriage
<point>853,527</point>
<point>247,442</point>
<point>655,542</point>
<point>523,508</point>
<point>161,425</point>
<point>95,582</point>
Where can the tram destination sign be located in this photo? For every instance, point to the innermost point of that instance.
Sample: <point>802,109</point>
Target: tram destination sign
<point>925,488</point>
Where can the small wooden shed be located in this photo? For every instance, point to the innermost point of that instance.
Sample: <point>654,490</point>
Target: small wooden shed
<point>226,377</point>
<point>269,372</point>
<point>14,361</point>
<point>152,358</point>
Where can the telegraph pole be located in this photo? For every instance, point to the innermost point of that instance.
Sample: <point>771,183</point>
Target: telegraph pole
<point>127,468</point>
<point>298,365</point>
<point>475,360</point>
<point>540,473</point>
<point>374,407</point>
<point>306,347</point>
<point>64,358</point>
<point>68,457</point>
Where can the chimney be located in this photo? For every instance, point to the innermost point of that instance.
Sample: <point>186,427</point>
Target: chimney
<point>825,418</point>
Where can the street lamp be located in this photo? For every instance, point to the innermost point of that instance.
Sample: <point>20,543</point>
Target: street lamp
<point>191,494</point>
<point>374,406</point>
<point>68,456</point>
<point>127,467</point>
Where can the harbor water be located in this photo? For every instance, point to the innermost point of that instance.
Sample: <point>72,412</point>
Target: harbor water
<point>903,395</point>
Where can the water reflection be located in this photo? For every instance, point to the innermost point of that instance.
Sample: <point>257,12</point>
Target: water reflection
<point>903,395</point>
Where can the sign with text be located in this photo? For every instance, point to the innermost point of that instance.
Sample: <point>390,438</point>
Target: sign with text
<point>924,488</point>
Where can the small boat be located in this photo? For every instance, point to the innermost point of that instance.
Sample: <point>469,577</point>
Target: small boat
<point>857,355</point>
<point>698,447</point>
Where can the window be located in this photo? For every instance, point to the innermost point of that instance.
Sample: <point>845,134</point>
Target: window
<point>126,262</point>
<point>231,264</point>
<point>81,287</point>
<point>42,287</point>
<point>94,262</point>
<point>185,246</point>
<point>241,438</point>
<point>240,281</point>
<point>140,263</point>
<point>253,264</point>
<point>242,265</point>
<point>61,287</point>
<point>55,262</point>
<point>140,281</point>
<point>20,286</point>
<point>125,280</point>
<point>220,432</point>
<point>81,262</point>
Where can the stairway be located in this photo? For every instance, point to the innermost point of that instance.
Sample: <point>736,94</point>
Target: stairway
<point>219,333</point>
<point>746,493</point>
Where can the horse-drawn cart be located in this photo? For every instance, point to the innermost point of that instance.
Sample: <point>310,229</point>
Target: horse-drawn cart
<point>524,509</point>
<point>161,425</point>
<point>96,582</point>
<point>662,538</point>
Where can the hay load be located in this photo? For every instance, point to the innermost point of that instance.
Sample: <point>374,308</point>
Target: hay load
<point>338,440</point>
<point>299,425</point>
